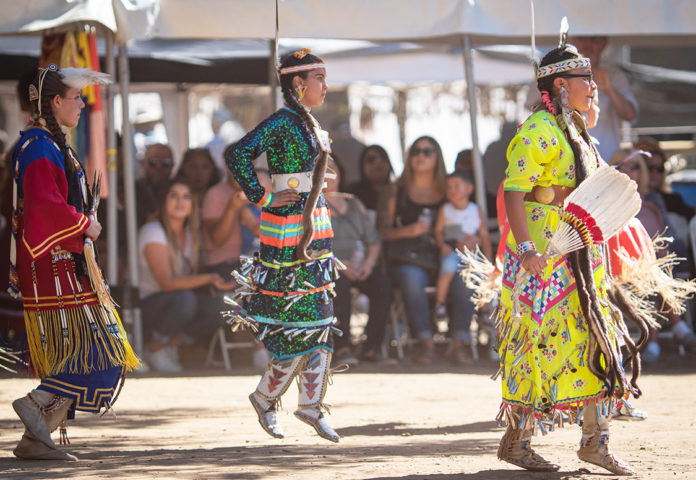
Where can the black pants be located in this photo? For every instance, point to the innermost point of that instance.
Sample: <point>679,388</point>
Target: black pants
<point>378,288</point>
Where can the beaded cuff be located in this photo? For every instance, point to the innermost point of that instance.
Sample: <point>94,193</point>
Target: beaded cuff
<point>525,247</point>
<point>266,200</point>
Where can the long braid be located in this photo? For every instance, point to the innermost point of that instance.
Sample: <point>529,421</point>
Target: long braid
<point>297,107</point>
<point>52,85</point>
<point>602,355</point>
<point>611,372</point>
<point>322,160</point>
<point>56,131</point>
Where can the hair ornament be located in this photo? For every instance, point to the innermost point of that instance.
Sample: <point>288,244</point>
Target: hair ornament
<point>81,77</point>
<point>33,93</point>
<point>563,39</point>
<point>545,97</point>
<point>301,53</point>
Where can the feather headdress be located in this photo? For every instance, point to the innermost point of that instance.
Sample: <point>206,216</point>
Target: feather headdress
<point>82,77</point>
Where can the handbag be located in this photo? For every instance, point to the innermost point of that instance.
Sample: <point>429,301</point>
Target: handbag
<point>419,251</point>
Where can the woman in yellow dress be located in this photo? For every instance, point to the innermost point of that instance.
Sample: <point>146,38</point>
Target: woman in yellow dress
<point>561,356</point>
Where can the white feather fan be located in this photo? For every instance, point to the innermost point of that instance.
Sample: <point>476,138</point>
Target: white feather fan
<point>592,213</point>
<point>601,206</point>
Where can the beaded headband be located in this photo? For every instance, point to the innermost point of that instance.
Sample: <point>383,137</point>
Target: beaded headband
<point>301,68</point>
<point>562,66</point>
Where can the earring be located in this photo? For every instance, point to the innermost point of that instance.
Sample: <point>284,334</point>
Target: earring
<point>300,92</point>
<point>564,97</point>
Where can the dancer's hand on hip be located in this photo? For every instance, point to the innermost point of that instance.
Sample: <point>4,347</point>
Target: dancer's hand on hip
<point>284,197</point>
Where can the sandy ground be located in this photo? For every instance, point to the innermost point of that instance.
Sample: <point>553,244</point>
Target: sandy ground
<point>398,422</point>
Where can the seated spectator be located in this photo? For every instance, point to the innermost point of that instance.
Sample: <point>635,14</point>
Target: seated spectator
<point>632,164</point>
<point>199,170</point>
<point>460,223</point>
<point>225,212</point>
<point>157,167</point>
<point>357,244</point>
<point>174,309</point>
<point>412,254</point>
<point>230,229</point>
<point>675,212</point>
<point>375,179</point>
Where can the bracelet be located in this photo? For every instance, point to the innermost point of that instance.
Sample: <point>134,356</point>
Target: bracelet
<point>524,247</point>
<point>266,200</point>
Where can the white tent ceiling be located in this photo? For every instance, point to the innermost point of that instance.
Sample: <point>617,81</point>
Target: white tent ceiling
<point>632,22</point>
<point>486,21</point>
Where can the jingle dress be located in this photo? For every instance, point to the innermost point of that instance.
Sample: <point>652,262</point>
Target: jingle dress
<point>286,302</point>
<point>78,347</point>
<point>544,354</point>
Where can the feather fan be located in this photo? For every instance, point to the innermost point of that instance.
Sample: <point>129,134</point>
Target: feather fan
<point>592,213</point>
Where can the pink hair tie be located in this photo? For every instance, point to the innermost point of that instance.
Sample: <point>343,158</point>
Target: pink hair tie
<point>547,101</point>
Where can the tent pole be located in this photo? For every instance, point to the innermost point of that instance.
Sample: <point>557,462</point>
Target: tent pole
<point>112,166</point>
<point>272,76</point>
<point>476,153</point>
<point>129,190</point>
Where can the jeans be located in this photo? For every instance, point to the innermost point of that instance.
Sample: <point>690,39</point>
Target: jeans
<point>412,280</point>
<point>378,288</point>
<point>182,311</point>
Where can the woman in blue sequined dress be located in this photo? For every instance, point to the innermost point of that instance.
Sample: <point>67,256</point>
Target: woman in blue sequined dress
<point>285,293</point>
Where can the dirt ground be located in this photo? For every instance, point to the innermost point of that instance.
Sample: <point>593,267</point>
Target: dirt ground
<point>398,423</point>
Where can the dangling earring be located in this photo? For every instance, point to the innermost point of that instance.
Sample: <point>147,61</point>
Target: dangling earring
<point>564,97</point>
<point>300,92</point>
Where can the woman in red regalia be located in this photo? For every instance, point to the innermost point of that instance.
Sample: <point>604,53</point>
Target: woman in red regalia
<point>77,344</point>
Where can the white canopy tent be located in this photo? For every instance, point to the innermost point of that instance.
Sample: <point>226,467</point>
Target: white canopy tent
<point>464,23</point>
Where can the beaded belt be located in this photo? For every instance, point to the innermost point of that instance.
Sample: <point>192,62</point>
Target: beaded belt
<point>301,182</point>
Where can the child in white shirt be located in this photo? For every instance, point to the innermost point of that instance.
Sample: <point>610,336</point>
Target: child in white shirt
<point>459,223</point>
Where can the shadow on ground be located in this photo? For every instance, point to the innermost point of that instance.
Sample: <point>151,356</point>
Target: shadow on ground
<point>99,458</point>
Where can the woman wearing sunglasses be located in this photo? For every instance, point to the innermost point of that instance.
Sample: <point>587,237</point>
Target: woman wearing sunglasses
<point>651,218</point>
<point>410,248</point>
<point>559,359</point>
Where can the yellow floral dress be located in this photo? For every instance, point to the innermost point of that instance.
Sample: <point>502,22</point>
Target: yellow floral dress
<point>544,353</point>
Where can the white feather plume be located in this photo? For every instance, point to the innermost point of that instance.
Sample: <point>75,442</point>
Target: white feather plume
<point>564,32</point>
<point>81,77</point>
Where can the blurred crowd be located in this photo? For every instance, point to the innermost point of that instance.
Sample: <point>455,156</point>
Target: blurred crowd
<point>397,236</point>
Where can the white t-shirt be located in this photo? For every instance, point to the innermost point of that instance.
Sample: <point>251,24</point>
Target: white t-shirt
<point>153,232</point>
<point>459,222</point>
